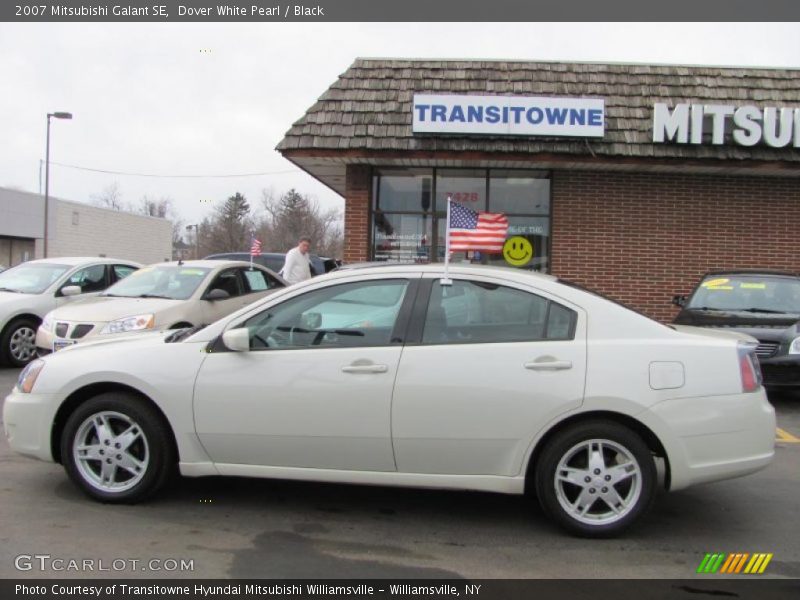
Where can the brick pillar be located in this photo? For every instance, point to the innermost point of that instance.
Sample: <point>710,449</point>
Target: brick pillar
<point>358,182</point>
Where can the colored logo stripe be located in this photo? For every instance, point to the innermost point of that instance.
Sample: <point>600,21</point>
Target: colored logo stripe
<point>734,563</point>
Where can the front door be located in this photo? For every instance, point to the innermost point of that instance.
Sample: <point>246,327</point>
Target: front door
<point>315,389</point>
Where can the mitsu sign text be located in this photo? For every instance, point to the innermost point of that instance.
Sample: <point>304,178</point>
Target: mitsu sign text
<point>508,115</point>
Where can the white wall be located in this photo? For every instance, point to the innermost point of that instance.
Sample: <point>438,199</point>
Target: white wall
<point>83,230</point>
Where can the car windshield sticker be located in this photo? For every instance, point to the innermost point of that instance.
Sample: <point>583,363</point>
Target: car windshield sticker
<point>752,286</point>
<point>717,284</point>
<point>192,272</point>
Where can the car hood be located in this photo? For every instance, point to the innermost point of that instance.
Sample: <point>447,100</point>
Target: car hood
<point>152,337</point>
<point>718,318</point>
<point>716,333</point>
<point>108,308</point>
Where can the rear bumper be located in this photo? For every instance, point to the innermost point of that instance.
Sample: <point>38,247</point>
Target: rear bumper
<point>714,438</point>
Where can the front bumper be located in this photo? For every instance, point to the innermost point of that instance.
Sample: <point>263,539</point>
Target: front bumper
<point>715,437</point>
<point>781,372</point>
<point>28,423</point>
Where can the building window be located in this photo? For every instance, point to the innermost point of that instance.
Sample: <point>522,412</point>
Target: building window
<point>409,212</point>
<point>75,217</point>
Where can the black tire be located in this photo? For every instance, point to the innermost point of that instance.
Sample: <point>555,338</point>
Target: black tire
<point>17,348</point>
<point>585,509</point>
<point>136,471</point>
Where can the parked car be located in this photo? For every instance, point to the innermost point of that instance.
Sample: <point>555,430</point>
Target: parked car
<point>503,381</point>
<point>30,290</point>
<point>161,296</point>
<point>275,260</point>
<point>762,304</point>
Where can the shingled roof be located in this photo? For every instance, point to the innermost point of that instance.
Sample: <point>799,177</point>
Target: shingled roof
<point>367,111</point>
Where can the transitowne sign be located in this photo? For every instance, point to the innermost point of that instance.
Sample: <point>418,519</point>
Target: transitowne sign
<point>508,115</point>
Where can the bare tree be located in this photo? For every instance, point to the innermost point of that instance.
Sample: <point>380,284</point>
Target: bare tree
<point>110,197</point>
<point>288,217</point>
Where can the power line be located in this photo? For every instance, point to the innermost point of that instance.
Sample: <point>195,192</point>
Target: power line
<point>107,172</point>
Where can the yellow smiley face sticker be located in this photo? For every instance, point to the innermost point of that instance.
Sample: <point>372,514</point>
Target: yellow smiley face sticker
<point>517,251</point>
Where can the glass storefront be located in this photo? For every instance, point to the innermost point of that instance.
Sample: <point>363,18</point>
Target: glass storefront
<point>409,213</point>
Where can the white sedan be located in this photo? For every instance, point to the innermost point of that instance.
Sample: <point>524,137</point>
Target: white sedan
<point>501,381</point>
<point>170,295</point>
<point>32,289</point>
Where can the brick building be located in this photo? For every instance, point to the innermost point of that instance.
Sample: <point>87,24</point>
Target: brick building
<point>630,179</point>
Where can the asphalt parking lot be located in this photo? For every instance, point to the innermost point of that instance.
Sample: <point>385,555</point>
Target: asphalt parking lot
<point>225,527</point>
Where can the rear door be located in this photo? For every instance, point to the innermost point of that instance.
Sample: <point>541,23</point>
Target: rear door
<point>489,364</point>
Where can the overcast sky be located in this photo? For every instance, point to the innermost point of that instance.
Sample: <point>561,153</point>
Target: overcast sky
<point>145,98</point>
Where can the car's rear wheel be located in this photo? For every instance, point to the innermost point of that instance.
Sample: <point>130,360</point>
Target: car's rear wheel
<point>596,478</point>
<point>18,343</point>
<point>117,448</point>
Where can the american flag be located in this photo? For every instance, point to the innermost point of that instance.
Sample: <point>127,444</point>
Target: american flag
<point>255,247</point>
<point>470,230</point>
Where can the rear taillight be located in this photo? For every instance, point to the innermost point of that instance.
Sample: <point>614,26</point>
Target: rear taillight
<point>749,368</point>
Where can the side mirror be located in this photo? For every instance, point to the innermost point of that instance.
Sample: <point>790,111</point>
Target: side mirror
<point>237,340</point>
<point>71,290</point>
<point>679,301</point>
<point>217,294</point>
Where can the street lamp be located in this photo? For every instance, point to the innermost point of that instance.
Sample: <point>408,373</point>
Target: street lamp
<point>196,239</point>
<point>57,115</point>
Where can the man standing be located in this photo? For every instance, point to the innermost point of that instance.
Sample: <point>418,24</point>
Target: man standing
<point>297,267</point>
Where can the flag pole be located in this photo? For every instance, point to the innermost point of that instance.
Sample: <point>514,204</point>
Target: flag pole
<point>446,279</point>
<point>252,241</point>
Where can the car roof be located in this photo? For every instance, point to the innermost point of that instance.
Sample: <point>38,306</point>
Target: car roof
<point>438,268</point>
<point>75,261</point>
<point>208,264</point>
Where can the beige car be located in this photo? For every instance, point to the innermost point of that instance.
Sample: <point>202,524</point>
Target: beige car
<point>161,296</point>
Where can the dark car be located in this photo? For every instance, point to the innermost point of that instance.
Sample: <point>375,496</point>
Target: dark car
<point>762,304</point>
<point>275,260</point>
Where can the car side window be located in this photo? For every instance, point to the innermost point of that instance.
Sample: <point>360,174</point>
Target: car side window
<point>256,280</point>
<point>89,279</point>
<point>475,312</point>
<point>349,315</point>
<point>228,281</point>
<point>122,271</point>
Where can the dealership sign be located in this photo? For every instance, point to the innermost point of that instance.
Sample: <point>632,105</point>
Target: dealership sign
<point>508,115</point>
<point>745,125</point>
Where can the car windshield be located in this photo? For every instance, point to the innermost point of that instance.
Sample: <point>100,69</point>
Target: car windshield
<point>176,282</point>
<point>747,293</point>
<point>31,278</point>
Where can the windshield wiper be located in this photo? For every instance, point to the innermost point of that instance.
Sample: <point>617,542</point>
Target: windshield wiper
<point>762,310</point>
<point>5,289</point>
<point>154,296</point>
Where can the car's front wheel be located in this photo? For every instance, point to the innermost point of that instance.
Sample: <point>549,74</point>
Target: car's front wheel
<point>117,448</point>
<point>596,478</point>
<point>18,342</point>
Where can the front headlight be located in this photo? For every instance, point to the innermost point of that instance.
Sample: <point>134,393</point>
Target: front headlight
<point>28,376</point>
<point>134,323</point>
<point>794,347</point>
<point>48,322</point>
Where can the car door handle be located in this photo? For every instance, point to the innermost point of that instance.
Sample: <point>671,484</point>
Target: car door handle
<point>365,369</point>
<point>549,365</point>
